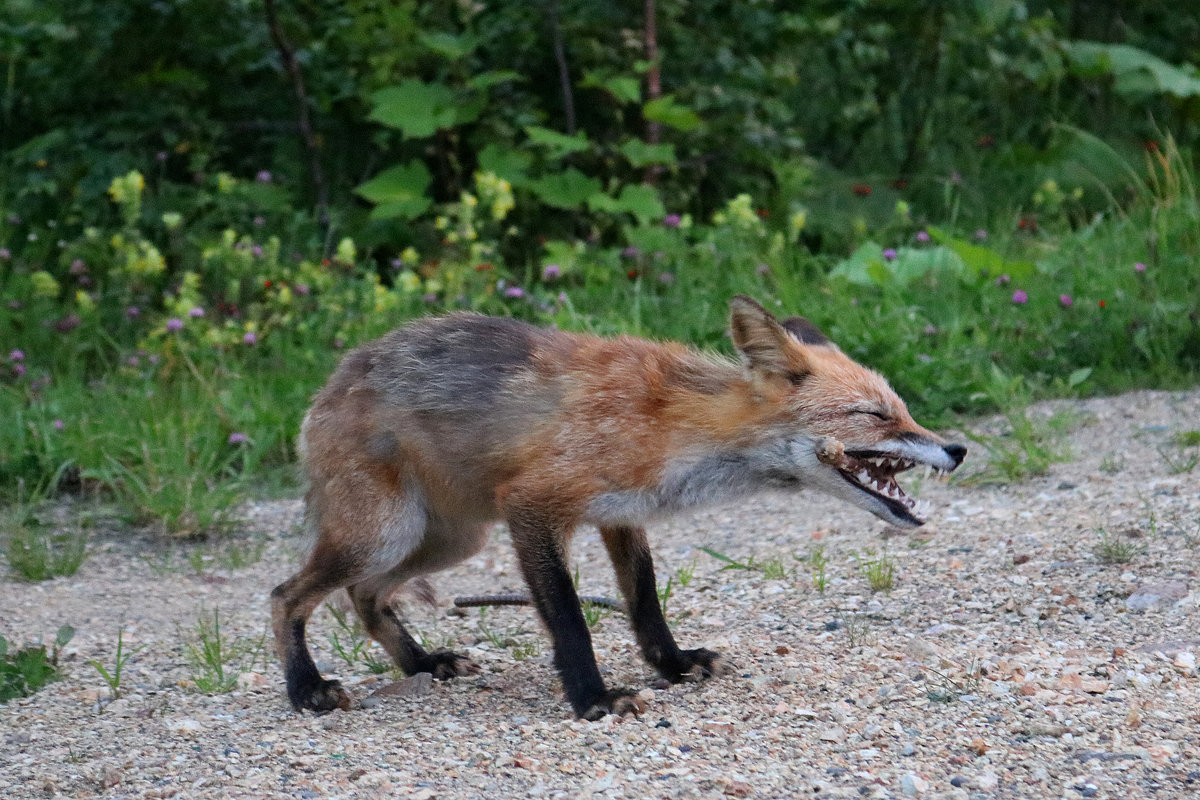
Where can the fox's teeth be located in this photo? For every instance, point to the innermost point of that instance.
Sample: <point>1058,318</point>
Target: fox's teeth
<point>863,476</point>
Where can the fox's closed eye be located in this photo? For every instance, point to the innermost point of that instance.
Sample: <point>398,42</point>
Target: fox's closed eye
<point>872,412</point>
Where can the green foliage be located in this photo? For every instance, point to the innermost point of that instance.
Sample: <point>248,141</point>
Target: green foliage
<point>181,265</point>
<point>880,571</point>
<point>25,671</point>
<point>120,659</point>
<point>1110,550</point>
<point>351,643</point>
<point>216,660</point>
<point>37,552</point>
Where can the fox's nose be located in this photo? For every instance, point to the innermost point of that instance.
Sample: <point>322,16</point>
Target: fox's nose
<point>957,452</point>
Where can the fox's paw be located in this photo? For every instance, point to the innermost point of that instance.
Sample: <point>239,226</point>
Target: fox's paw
<point>321,697</point>
<point>444,665</point>
<point>615,701</point>
<point>697,665</point>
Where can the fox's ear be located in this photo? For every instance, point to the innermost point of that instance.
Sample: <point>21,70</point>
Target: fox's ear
<point>764,344</point>
<point>805,331</point>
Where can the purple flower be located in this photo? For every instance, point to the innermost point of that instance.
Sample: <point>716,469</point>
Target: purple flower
<point>980,235</point>
<point>16,355</point>
<point>397,263</point>
<point>58,424</point>
<point>257,250</point>
<point>931,329</point>
<point>672,220</point>
<point>133,312</point>
<point>259,221</point>
<point>174,324</point>
<point>249,338</point>
<point>18,369</point>
<point>630,252</point>
<point>1066,300</point>
<point>133,361</point>
<point>263,176</point>
<point>922,237</point>
<point>1019,297</point>
<point>1003,280</point>
<point>78,267</point>
<point>514,292</point>
<point>161,155</point>
<point>68,323</point>
<point>666,278</point>
<point>196,312</point>
<point>237,438</point>
<point>762,270</point>
<point>5,254</point>
<point>1139,267</point>
<point>551,271</point>
<point>302,289</point>
<point>889,254</point>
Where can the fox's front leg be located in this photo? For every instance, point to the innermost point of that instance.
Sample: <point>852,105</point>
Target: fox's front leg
<point>630,554</point>
<point>540,554</point>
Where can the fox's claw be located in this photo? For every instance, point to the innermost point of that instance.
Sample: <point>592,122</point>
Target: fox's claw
<point>615,701</point>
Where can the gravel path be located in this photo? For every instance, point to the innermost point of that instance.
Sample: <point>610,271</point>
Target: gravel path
<point>1008,661</point>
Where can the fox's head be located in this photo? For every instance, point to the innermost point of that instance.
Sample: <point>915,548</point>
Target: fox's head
<point>853,433</point>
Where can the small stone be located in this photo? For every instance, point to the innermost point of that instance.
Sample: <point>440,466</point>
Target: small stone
<point>833,735</point>
<point>911,784</point>
<point>1022,558</point>
<point>739,789</point>
<point>988,781</point>
<point>1148,596</point>
<point>782,650</point>
<point>907,750</point>
<point>662,723</point>
<point>958,780</point>
<point>978,746</point>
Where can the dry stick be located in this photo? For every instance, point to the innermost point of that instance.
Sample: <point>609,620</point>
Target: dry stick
<point>288,56</point>
<point>518,599</point>
<point>564,74</point>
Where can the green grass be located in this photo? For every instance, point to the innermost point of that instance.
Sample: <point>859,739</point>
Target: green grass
<point>38,552</point>
<point>112,677</point>
<point>1111,550</point>
<point>880,571</point>
<point>216,659</point>
<point>351,644</point>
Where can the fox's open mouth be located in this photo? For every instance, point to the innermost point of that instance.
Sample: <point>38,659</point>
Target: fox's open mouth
<point>875,473</point>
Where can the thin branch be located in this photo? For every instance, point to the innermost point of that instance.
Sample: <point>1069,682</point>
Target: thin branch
<point>564,73</point>
<point>287,55</point>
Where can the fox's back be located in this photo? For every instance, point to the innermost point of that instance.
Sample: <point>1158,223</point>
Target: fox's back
<point>445,402</point>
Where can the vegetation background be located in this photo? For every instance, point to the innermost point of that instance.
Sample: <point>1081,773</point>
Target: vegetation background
<point>203,203</point>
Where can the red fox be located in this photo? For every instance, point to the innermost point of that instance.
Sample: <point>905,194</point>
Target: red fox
<point>425,436</point>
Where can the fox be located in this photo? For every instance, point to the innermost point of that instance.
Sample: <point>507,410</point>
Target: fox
<point>424,438</point>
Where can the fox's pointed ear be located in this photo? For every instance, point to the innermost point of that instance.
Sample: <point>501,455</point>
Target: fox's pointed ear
<point>764,344</point>
<point>805,331</point>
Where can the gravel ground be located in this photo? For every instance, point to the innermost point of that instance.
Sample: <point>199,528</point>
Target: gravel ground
<point>1008,661</point>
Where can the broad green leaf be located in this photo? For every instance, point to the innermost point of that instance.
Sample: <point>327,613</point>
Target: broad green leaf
<point>637,199</point>
<point>864,267</point>
<point>622,87</point>
<point>559,144</point>
<point>911,265</point>
<point>1135,72</point>
<point>641,154</point>
<point>1079,376</point>
<point>980,261</point>
<point>512,165</point>
<point>668,112</point>
<point>398,191</point>
<point>415,108</point>
<point>449,45</point>
<point>568,190</point>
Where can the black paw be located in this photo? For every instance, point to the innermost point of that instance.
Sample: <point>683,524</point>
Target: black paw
<point>614,701</point>
<point>320,697</point>
<point>444,665</point>
<point>696,665</point>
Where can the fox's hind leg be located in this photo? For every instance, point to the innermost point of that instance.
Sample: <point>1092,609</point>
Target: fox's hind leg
<point>384,626</point>
<point>364,526</point>
<point>292,603</point>
<point>630,554</point>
